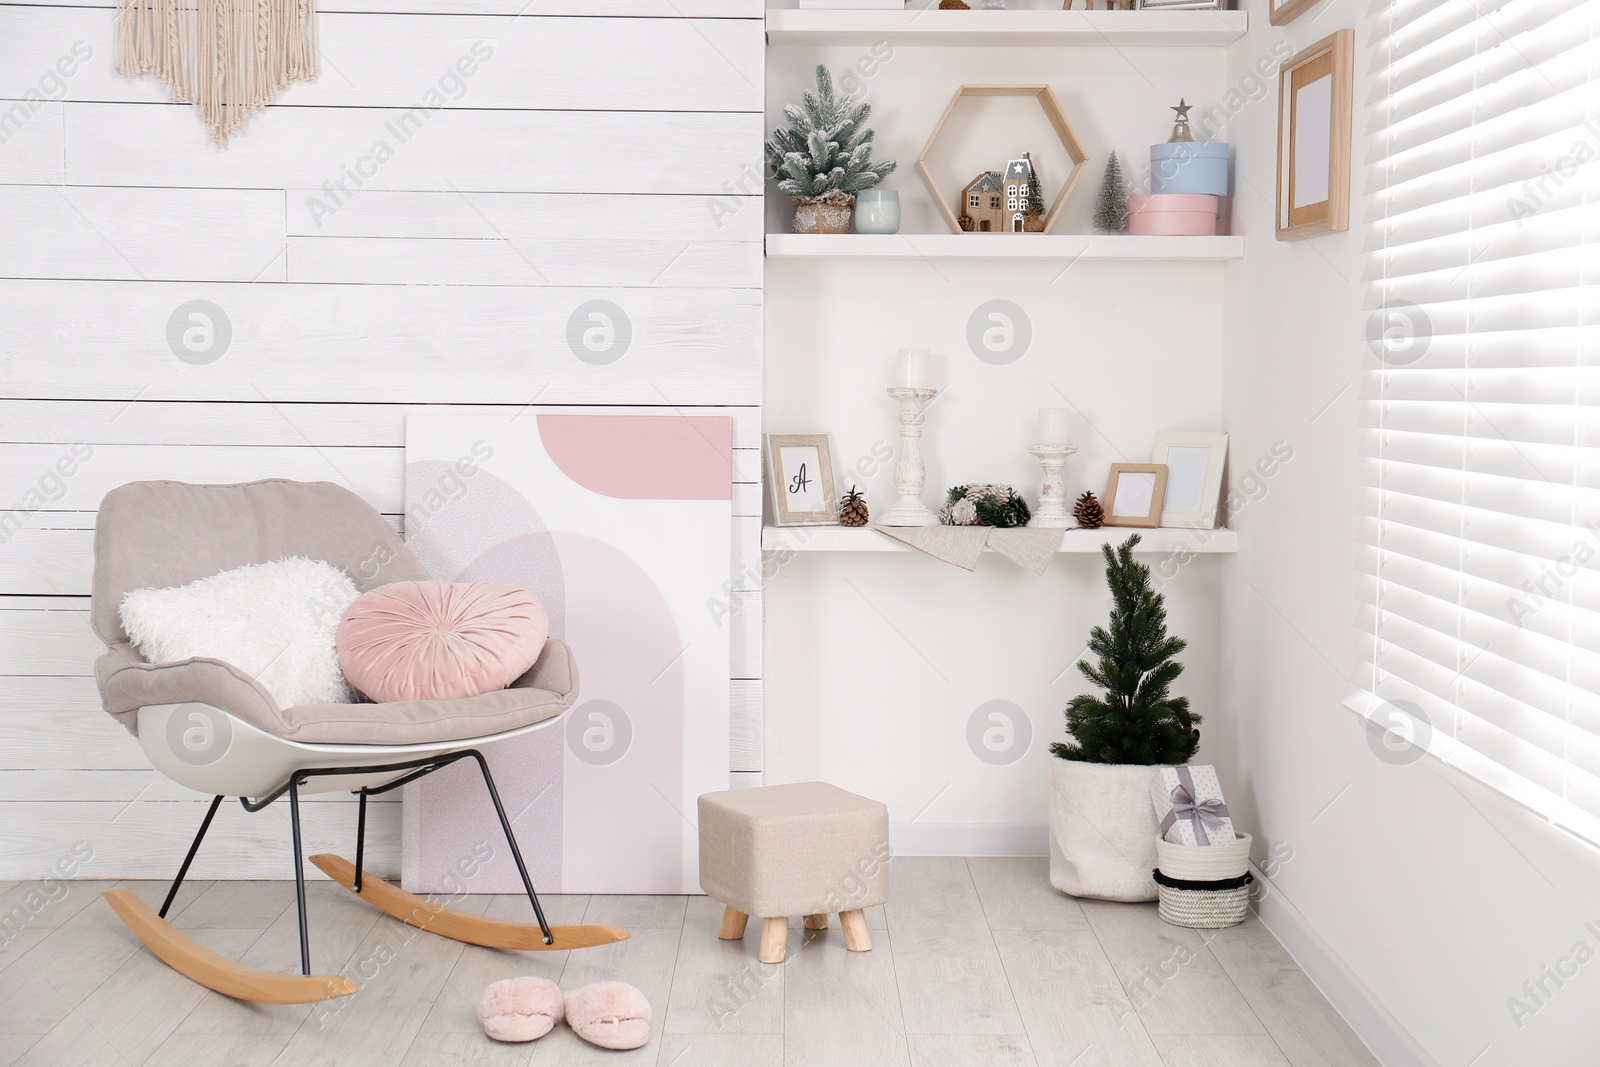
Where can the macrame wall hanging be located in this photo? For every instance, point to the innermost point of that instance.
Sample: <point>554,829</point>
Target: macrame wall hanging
<point>227,57</point>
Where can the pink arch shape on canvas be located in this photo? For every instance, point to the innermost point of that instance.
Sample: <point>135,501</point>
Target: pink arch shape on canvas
<point>644,457</point>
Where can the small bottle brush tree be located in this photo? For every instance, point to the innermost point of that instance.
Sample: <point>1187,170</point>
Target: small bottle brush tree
<point>1135,720</point>
<point>1111,207</point>
<point>1035,193</point>
<point>824,154</point>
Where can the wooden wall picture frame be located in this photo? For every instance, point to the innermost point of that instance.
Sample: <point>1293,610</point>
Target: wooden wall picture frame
<point>1283,12</point>
<point>1314,138</point>
<point>1058,123</point>
<point>1141,488</point>
<point>800,478</point>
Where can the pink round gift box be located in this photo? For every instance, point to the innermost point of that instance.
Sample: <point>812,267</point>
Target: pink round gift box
<point>1173,215</point>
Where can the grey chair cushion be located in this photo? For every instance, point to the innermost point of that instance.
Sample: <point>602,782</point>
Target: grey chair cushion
<point>127,684</point>
<point>160,534</point>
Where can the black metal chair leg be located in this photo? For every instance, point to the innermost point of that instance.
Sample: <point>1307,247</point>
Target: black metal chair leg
<point>361,836</point>
<point>516,853</point>
<point>172,894</point>
<point>299,875</point>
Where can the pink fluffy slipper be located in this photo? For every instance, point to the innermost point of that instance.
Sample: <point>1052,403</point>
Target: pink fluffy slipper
<point>520,1009</point>
<point>609,1014</point>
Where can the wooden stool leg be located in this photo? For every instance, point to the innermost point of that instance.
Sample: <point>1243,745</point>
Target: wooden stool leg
<point>817,922</point>
<point>733,921</point>
<point>856,938</point>
<point>774,939</point>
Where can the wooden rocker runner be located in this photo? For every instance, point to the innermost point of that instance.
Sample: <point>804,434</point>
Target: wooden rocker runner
<point>209,726</point>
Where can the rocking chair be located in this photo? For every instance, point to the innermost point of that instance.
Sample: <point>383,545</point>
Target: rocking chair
<point>209,726</point>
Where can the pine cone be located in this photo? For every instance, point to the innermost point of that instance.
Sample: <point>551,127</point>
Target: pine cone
<point>1088,512</point>
<point>853,512</point>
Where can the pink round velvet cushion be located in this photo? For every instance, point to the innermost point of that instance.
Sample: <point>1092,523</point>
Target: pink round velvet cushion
<point>439,640</point>
<point>520,1009</point>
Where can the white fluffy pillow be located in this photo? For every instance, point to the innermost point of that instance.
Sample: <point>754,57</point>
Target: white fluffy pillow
<point>274,621</point>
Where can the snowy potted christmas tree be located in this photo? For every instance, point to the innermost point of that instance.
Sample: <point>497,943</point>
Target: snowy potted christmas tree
<point>1102,825</point>
<point>823,158</point>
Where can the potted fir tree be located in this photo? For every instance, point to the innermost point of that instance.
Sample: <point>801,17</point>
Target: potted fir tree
<point>823,158</point>
<point>1102,824</point>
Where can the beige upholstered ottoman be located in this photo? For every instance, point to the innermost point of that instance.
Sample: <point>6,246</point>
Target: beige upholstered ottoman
<point>804,849</point>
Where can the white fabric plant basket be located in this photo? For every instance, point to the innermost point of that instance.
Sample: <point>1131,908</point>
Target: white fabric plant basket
<point>1102,830</point>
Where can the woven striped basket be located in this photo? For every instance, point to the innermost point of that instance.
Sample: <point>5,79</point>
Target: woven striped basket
<point>1203,905</point>
<point>1204,863</point>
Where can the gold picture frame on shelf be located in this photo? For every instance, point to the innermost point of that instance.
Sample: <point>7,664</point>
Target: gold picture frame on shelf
<point>1314,139</point>
<point>1134,493</point>
<point>800,478</point>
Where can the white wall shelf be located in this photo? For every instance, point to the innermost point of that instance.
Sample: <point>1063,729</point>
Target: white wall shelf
<point>866,539</point>
<point>1070,246</point>
<point>930,26</point>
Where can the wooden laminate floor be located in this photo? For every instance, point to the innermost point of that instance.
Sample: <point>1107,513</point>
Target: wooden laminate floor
<point>975,962</point>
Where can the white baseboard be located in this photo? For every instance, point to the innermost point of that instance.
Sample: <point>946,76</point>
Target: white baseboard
<point>969,839</point>
<point>1384,1035</point>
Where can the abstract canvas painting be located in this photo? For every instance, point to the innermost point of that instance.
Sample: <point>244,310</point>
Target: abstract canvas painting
<point>620,523</point>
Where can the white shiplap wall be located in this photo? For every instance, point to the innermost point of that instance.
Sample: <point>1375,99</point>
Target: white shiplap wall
<point>601,150</point>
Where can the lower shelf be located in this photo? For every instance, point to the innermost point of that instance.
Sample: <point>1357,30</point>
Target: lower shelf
<point>1067,246</point>
<point>866,539</point>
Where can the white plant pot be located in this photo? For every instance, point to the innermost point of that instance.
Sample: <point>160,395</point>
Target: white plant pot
<point>1102,830</point>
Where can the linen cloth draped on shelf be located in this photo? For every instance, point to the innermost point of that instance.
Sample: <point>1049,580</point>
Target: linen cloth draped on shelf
<point>1031,548</point>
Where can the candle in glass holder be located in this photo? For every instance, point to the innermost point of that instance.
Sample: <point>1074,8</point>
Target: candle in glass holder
<point>1054,428</point>
<point>911,369</point>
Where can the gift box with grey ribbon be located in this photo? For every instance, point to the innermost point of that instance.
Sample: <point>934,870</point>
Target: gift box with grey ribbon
<point>1189,806</point>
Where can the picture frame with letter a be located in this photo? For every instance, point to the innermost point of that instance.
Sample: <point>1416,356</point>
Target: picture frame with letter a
<point>800,479</point>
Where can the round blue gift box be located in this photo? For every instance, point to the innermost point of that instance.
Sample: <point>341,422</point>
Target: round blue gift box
<point>1189,167</point>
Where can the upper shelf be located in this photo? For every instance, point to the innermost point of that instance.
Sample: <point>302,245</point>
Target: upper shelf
<point>931,26</point>
<point>1065,247</point>
<point>866,539</point>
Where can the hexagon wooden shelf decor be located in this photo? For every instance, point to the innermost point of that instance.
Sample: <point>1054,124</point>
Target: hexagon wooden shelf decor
<point>1058,122</point>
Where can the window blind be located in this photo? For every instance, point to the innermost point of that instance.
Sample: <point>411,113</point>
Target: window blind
<point>1481,600</point>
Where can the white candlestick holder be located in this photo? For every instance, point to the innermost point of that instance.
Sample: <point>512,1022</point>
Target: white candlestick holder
<point>909,473</point>
<point>1052,510</point>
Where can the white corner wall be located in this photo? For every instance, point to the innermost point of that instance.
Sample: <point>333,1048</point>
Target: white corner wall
<point>875,663</point>
<point>1418,901</point>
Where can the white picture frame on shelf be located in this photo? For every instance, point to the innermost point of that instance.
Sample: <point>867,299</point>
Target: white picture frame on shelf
<point>800,479</point>
<point>1195,463</point>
